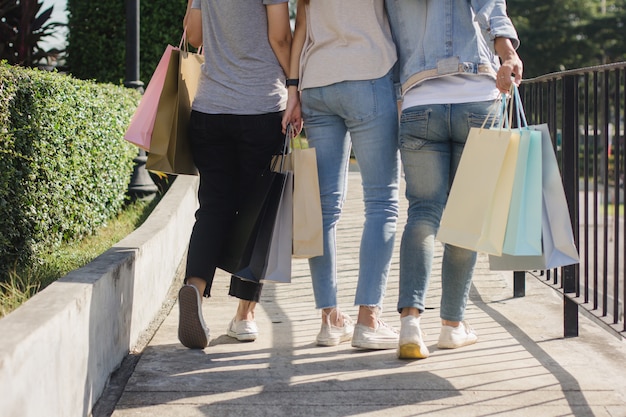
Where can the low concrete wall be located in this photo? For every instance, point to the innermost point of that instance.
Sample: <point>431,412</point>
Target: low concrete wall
<point>58,350</point>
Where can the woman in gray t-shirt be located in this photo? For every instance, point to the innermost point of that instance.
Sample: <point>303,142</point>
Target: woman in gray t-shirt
<point>235,128</point>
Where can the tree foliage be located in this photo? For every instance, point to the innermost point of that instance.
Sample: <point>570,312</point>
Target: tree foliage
<point>97,37</point>
<point>564,34</point>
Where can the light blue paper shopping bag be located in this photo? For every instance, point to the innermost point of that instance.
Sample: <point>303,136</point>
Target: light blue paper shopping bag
<point>523,229</point>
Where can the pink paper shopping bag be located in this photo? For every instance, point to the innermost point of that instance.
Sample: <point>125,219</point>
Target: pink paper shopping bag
<point>139,131</point>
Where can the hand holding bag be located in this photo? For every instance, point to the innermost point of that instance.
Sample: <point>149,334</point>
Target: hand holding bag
<point>476,212</point>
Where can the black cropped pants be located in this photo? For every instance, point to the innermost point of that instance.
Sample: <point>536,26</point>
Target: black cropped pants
<point>230,151</point>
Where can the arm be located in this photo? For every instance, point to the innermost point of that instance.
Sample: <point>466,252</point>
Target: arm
<point>511,65</point>
<point>193,23</point>
<point>279,32</point>
<point>492,17</point>
<point>293,113</point>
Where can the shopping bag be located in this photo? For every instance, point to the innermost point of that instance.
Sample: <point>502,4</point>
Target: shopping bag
<point>237,249</point>
<point>255,267</point>
<point>139,130</point>
<point>278,268</point>
<point>254,221</point>
<point>271,256</point>
<point>170,151</point>
<point>523,229</point>
<point>308,239</point>
<point>476,212</point>
<point>559,247</point>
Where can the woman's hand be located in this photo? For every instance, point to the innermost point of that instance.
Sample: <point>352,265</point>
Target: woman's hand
<point>293,112</point>
<point>511,69</point>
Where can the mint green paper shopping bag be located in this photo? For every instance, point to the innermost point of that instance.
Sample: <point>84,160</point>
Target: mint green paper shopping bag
<point>523,229</point>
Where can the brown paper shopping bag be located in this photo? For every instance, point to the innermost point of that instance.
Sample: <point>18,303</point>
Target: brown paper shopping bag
<point>170,151</point>
<point>475,215</point>
<point>308,240</point>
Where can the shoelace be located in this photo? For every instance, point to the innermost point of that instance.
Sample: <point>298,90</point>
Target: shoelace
<point>380,323</point>
<point>467,327</point>
<point>345,318</point>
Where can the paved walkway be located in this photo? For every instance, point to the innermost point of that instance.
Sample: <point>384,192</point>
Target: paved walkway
<point>521,365</point>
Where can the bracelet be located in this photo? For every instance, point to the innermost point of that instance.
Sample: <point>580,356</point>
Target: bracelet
<point>289,82</point>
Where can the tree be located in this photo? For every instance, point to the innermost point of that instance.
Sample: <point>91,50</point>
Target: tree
<point>552,34</point>
<point>606,31</point>
<point>22,28</point>
<point>565,34</point>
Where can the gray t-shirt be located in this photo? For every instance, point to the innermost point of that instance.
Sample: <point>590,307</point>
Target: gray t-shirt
<point>241,74</point>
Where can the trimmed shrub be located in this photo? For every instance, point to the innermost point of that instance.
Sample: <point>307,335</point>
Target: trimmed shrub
<point>64,166</point>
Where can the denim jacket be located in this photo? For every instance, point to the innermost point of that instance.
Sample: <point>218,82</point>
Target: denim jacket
<point>442,37</point>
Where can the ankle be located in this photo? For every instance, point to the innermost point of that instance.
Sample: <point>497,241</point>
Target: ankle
<point>450,323</point>
<point>368,316</point>
<point>409,311</point>
<point>245,310</point>
<point>332,316</point>
<point>199,283</point>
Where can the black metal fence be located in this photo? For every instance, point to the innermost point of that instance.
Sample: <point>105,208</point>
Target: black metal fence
<point>585,111</point>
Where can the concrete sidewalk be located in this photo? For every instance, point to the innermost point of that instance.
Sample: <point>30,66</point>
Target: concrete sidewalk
<point>521,366</point>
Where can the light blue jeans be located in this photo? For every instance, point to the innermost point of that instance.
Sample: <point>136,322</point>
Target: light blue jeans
<point>362,115</point>
<point>432,138</point>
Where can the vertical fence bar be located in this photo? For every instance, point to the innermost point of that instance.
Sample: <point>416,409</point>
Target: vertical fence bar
<point>596,262</point>
<point>586,187</point>
<point>617,152</point>
<point>605,180</point>
<point>621,276</point>
<point>570,184</point>
<point>519,284</point>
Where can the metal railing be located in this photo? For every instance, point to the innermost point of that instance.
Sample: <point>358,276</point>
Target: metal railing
<point>585,111</point>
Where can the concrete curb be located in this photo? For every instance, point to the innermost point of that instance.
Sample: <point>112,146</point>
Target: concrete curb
<point>59,348</point>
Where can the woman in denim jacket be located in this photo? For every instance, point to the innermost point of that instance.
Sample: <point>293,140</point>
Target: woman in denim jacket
<point>455,57</point>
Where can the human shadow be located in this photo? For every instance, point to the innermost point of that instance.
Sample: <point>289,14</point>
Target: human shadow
<point>570,387</point>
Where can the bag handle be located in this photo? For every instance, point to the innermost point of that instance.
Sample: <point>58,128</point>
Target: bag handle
<point>498,108</point>
<point>184,43</point>
<point>285,151</point>
<point>521,116</point>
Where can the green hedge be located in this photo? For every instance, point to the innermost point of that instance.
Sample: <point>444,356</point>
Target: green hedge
<point>64,166</point>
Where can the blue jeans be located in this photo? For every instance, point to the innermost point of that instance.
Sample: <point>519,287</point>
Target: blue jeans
<point>361,114</point>
<point>432,138</point>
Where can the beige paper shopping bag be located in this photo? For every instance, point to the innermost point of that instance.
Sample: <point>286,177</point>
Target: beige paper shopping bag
<point>476,212</point>
<point>308,240</point>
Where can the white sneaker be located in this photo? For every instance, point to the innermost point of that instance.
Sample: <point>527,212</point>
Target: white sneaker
<point>330,335</point>
<point>382,337</point>
<point>456,337</point>
<point>243,330</point>
<point>411,345</point>
<point>192,332</point>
